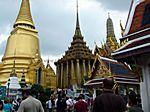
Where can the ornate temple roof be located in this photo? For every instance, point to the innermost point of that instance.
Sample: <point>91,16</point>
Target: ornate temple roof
<point>137,32</point>
<point>138,18</point>
<point>115,67</point>
<point>78,48</point>
<point>104,67</point>
<point>24,16</point>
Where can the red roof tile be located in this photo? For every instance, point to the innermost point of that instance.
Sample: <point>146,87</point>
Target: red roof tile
<point>138,17</point>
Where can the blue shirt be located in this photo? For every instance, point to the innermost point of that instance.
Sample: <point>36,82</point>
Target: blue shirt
<point>7,107</point>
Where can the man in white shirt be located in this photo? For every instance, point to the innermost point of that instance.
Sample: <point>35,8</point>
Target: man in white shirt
<point>70,104</point>
<point>49,105</point>
<point>30,104</point>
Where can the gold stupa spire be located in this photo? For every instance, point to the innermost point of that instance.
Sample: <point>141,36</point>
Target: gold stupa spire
<point>24,16</point>
<point>77,31</point>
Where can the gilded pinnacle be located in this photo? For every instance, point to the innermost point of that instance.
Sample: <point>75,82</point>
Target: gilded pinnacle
<point>24,16</point>
<point>77,31</point>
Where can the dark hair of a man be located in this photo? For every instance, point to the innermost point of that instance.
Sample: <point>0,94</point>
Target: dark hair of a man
<point>133,98</point>
<point>108,83</point>
<point>26,91</point>
<point>63,95</point>
<point>6,101</point>
<point>80,97</point>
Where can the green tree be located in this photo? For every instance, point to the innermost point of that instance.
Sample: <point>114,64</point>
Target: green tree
<point>40,93</point>
<point>37,90</point>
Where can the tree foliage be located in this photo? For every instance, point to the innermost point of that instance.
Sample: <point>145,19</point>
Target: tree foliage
<point>40,93</point>
<point>36,90</point>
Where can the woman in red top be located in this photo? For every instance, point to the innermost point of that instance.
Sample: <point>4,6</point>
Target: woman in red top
<point>80,105</point>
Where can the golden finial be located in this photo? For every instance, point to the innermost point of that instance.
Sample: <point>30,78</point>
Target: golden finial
<point>77,31</point>
<point>122,29</point>
<point>24,16</point>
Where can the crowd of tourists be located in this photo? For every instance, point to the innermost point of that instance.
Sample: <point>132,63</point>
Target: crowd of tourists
<point>106,102</point>
<point>65,103</point>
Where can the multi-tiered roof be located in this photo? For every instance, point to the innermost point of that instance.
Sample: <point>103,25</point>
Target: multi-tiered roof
<point>137,32</point>
<point>78,48</point>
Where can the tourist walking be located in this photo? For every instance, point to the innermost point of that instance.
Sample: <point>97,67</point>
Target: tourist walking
<point>61,103</point>
<point>50,104</point>
<point>7,106</point>
<point>81,105</point>
<point>132,101</point>
<point>30,104</point>
<point>70,104</point>
<point>108,101</point>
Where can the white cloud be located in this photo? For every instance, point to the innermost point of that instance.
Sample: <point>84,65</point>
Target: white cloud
<point>3,36</point>
<point>56,19</point>
<point>51,59</point>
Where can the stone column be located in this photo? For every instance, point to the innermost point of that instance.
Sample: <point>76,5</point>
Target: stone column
<point>59,76</point>
<point>89,66</point>
<point>144,62</point>
<point>67,74</point>
<point>145,89</point>
<point>62,76</point>
<point>84,69</point>
<point>78,72</point>
<point>72,73</point>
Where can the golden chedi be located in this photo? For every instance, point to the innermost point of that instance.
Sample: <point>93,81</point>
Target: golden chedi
<point>23,46</point>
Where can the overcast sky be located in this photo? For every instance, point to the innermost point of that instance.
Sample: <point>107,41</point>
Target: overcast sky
<point>56,19</point>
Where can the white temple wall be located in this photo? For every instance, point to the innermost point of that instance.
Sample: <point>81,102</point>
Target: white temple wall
<point>145,85</point>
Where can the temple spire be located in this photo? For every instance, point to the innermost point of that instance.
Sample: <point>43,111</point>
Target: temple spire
<point>111,41</point>
<point>77,31</point>
<point>24,16</point>
<point>110,28</point>
<point>23,80</point>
